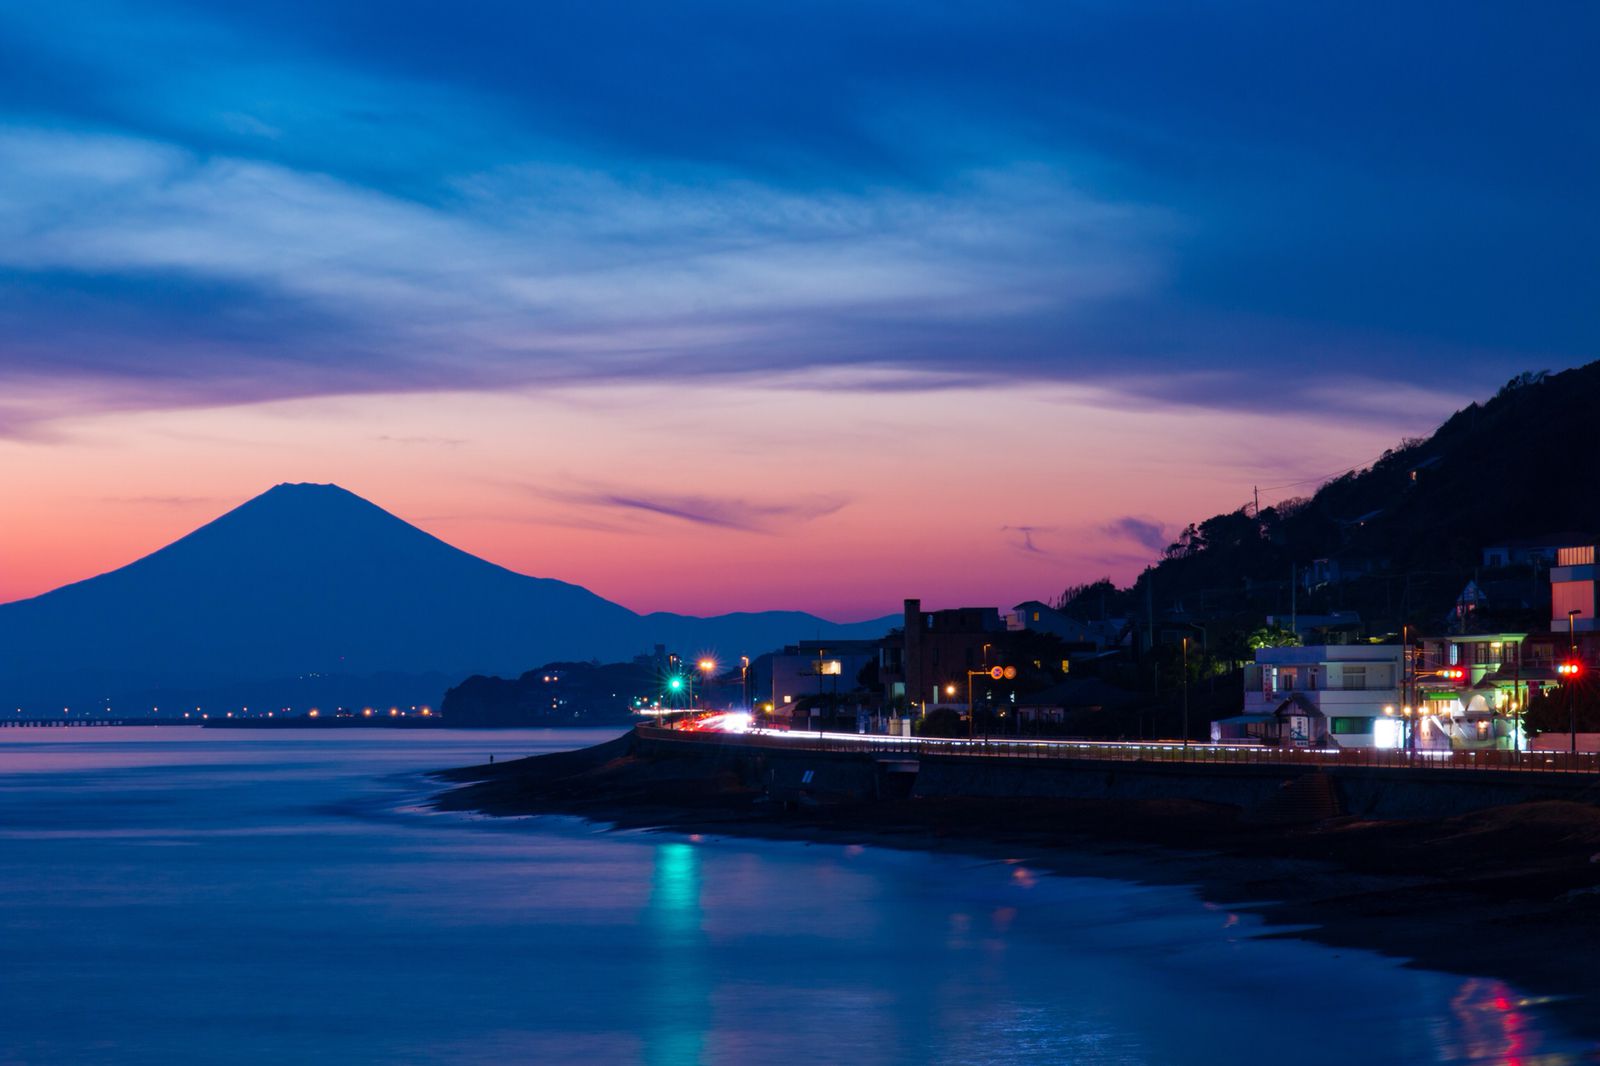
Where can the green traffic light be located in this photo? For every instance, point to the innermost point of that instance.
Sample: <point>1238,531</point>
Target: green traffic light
<point>675,683</point>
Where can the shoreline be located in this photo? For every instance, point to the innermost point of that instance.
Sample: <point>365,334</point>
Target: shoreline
<point>1511,893</point>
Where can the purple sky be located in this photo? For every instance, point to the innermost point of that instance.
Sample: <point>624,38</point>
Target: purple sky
<point>962,300</point>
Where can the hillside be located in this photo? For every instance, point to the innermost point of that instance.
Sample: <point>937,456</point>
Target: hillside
<point>1398,540</point>
<point>311,581</point>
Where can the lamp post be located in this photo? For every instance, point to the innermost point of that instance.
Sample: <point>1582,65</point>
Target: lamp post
<point>707,667</point>
<point>994,673</point>
<point>744,681</point>
<point>972,715</point>
<point>1572,691</point>
<point>1405,682</point>
<point>1186,695</point>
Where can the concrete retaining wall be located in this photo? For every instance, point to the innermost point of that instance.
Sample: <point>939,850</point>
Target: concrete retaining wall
<point>1370,792</point>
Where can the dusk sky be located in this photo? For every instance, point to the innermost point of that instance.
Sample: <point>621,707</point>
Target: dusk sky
<point>720,307</point>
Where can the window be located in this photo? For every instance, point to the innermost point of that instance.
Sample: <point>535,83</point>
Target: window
<point>832,666</point>
<point>1353,726</point>
<point>1354,677</point>
<point>1575,556</point>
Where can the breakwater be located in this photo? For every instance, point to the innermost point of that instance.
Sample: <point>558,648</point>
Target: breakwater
<point>797,774</point>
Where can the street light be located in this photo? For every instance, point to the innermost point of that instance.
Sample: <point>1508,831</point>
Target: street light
<point>1186,694</point>
<point>994,673</point>
<point>1572,672</point>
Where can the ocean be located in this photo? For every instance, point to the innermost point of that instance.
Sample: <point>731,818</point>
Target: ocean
<point>178,895</point>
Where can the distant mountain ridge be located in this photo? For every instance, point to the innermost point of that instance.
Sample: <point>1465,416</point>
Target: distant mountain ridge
<point>311,579</point>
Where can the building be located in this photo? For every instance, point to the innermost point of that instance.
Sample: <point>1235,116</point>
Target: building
<point>1055,704</point>
<point>814,676</point>
<point>1323,694</point>
<point>1035,617</point>
<point>1468,689</point>
<point>1572,591</point>
<point>937,651</point>
<point>1541,552</point>
<point>1337,627</point>
<point>1336,570</point>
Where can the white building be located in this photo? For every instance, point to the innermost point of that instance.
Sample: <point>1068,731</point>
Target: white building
<point>1347,685</point>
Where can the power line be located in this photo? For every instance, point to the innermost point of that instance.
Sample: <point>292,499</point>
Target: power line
<point>1326,477</point>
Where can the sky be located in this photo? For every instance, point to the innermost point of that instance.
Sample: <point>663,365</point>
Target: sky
<point>727,306</point>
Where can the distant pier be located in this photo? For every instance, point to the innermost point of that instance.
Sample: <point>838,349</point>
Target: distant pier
<point>87,723</point>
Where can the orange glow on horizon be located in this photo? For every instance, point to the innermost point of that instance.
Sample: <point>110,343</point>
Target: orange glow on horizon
<point>841,503</point>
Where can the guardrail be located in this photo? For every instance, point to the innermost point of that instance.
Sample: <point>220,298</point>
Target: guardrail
<point>1145,751</point>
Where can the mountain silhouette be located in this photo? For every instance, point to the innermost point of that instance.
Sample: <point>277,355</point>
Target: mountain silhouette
<point>314,580</point>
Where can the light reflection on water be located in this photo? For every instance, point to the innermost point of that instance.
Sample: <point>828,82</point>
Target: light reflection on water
<point>189,896</point>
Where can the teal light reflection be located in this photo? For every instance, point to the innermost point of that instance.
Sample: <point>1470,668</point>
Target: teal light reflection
<point>677,1001</point>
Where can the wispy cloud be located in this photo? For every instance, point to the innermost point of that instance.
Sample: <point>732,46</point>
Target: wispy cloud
<point>227,279</point>
<point>357,209</point>
<point>733,513</point>
<point>1145,532</point>
<point>1024,541</point>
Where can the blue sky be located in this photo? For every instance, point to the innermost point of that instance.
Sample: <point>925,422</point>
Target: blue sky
<point>1365,214</point>
<point>402,195</point>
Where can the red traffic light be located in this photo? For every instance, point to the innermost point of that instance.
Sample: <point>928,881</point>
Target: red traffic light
<point>1570,669</point>
<point>1453,673</point>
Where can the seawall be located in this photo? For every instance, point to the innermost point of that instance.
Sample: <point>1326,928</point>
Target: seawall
<point>805,776</point>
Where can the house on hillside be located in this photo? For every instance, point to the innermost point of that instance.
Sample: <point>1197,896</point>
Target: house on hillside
<point>1336,627</point>
<point>1482,601</point>
<point>1538,552</point>
<point>1335,570</point>
<point>1574,581</point>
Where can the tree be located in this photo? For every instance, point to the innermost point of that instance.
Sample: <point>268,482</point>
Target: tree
<point>1551,711</point>
<point>1096,600</point>
<point>1274,636</point>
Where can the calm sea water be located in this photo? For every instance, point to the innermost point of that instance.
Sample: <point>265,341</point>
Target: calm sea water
<point>177,895</point>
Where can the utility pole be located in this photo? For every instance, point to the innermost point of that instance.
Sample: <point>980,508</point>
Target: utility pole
<point>1294,598</point>
<point>1572,690</point>
<point>1517,709</point>
<point>1186,694</point>
<point>1256,490</point>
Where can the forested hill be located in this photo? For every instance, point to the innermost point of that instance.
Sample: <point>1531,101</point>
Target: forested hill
<point>1406,533</point>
